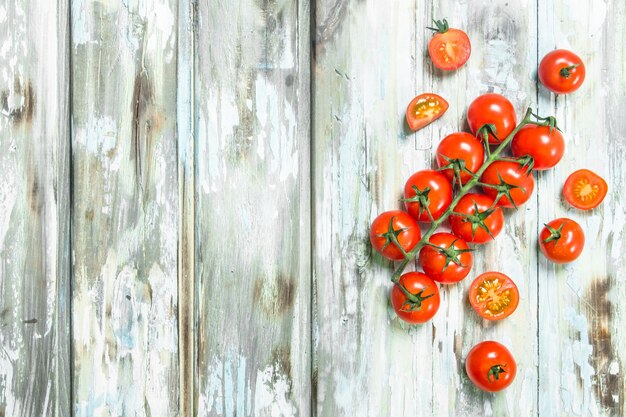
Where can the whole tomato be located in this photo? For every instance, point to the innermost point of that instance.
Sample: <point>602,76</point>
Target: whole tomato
<point>462,153</point>
<point>446,258</point>
<point>490,366</point>
<point>423,301</point>
<point>476,219</point>
<point>426,191</point>
<point>492,109</point>
<point>511,183</point>
<point>544,144</point>
<point>562,240</point>
<point>392,232</point>
<point>561,71</point>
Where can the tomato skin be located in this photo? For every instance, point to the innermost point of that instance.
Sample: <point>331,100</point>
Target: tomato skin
<point>434,262</point>
<point>464,147</point>
<point>492,108</point>
<point>449,50</point>
<point>494,296</point>
<point>489,356</point>
<point>462,227</point>
<point>439,196</point>
<point>546,145</point>
<point>553,64</point>
<point>415,282</point>
<point>407,238</point>
<point>584,189</point>
<point>568,246</point>
<point>425,109</point>
<point>514,174</point>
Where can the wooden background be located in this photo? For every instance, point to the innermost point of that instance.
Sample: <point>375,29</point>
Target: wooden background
<point>186,189</point>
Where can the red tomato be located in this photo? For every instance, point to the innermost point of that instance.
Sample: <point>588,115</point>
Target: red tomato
<point>425,109</point>
<point>463,153</point>
<point>508,182</point>
<point>423,302</point>
<point>478,220</point>
<point>490,366</point>
<point>449,48</point>
<point>492,109</point>
<point>393,230</point>
<point>427,190</point>
<point>543,143</point>
<point>446,258</point>
<point>562,240</point>
<point>561,71</point>
<point>494,296</point>
<point>585,189</point>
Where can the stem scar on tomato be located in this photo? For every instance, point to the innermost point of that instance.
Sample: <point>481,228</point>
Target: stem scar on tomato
<point>494,372</point>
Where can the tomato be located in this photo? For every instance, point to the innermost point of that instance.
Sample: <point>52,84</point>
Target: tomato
<point>478,220</point>
<point>490,366</point>
<point>561,71</point>
<point>427,190</point>
<point>463,153</point>
<point>448,48</point>
<point>544,143</point>
<point>425,109</point>
<point>508,182</point>
<point>446,258</point>
<point>393,230</point>
<point>585,189</point>
<point>423,302</point>
<point>562,240</point>
<point>494,296</point>
<point>492,109</point>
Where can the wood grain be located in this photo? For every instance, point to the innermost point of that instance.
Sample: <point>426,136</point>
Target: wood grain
<point>125,208</point>
<point>34,209</point>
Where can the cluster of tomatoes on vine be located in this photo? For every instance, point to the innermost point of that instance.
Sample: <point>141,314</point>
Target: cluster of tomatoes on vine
<point>473,183</point>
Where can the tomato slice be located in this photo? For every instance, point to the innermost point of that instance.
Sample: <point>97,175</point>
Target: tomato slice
<point>585,189</point>
<point>449,48</point>
<point>494,295</point>
<point>425,109</point>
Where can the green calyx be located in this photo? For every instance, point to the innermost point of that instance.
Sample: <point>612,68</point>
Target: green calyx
<point>555,234</point>
<point>391,236</point>
<point>457,166</point>
<point>441,26</point>
<point>421,198</point>
<point>451,253</point>
<point>477,219</point>
<point>565,72</point>
<point>503,189</point>
<point>494,372</point>
<point>413,302</point>
<point>484,132</point>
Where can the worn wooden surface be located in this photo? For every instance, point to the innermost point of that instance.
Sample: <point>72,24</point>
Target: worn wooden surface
<point>186,189</point>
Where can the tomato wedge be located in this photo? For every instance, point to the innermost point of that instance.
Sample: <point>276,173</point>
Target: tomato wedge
<point>425,109</point>
<point>585,189</point>
<point>494,296</point>
<point>449,48</point>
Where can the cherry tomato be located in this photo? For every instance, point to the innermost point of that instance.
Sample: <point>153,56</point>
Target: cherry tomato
<point>490,366</point>
<point>449,48</point>
<point>494,296</point>
<point>448,260</point>
<point>562,240</point>
<point>492,109</point>
<point>561,71</point>
<point>543,143</point>
<point>393,228</point>
<point>424,190</point>
<point>425,109</point>
<point>478,220</point>
<point>423,302</point>
<point>462,152</point>
<point>585,189</point>
<point>510,181</point>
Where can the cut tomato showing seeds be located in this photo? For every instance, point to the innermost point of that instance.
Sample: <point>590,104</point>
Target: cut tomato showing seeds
<point>585,189</point>
<point>425,109</point>
<point>494,296</point>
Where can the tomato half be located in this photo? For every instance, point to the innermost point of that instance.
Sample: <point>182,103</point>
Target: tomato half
<point>561,71</point>
<point>562,240</point>
<point>463,153</point>
<point>476,218</point>
<point>585,189</point>
<point>423,301</point>
<point>446,258</point>
<point>545,144</point>
<point>449,48</point>
<point>427,190</point>
<point>425,109</point>
<point>490,366</point>
<point>393,230</point>
<point>494,295</point>
<point>492,109</point>
<point>508,182</point>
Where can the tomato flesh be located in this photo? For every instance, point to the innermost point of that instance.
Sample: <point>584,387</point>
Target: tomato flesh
<point>425,109</point>
<point>494,296</point>
<point>450,50</point>
<point>585,189</point>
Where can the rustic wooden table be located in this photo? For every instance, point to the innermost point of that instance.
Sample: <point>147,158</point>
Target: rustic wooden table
<point>186,189</point>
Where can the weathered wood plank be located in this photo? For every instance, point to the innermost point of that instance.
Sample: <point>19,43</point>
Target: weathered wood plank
<point>252,208</point>
<point>34,209</point>
<point>125,208</point>
<point>582,343</point>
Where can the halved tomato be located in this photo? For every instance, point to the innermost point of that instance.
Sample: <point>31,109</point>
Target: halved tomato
<point>585,189</point>
<point>425,109</point>
<point>494,295</point>
<point>449,48</point>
